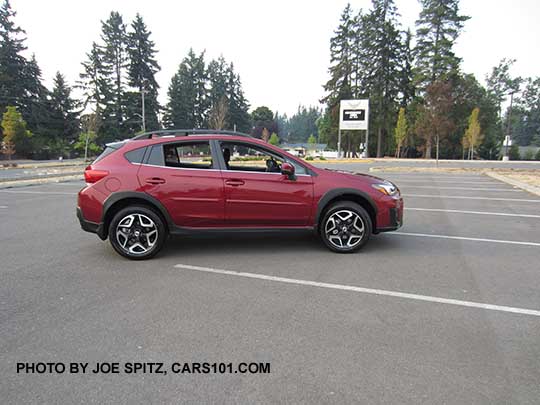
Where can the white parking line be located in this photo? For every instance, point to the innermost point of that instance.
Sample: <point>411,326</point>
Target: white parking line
<point>502,214</point>
<point>35,192</point>
<point>467,188</point>
<point>427,235</point>
<point>488,183</point>
<point>469,198</point>
<point>397,294</point>
<point>3,206</point>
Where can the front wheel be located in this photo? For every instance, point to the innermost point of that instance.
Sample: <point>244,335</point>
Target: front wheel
<point>137,233</point>
<point>345,227</point>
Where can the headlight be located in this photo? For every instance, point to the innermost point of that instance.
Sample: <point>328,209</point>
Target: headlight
<point>386,188</point>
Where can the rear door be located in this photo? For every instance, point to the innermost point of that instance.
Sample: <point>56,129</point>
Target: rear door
<point>183,176</point>
<point>257,194</point>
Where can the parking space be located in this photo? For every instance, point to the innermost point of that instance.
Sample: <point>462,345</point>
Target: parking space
<point>445,310</point>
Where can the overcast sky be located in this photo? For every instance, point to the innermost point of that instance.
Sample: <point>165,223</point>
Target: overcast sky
<point>280,48</point>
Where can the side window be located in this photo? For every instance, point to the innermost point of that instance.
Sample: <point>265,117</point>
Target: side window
<point>188,155</point>
<point>136,155</point>
<point>250,158</point>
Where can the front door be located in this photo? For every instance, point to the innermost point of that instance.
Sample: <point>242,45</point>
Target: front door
<point>257,194</point>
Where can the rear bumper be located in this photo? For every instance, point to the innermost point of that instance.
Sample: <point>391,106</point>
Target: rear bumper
<point>89,226</point>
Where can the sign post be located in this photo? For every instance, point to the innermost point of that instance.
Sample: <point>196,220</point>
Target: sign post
<point>353,116</point>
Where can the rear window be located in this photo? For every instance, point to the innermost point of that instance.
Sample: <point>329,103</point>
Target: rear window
<point>135,156</point>
<point>110,148</point>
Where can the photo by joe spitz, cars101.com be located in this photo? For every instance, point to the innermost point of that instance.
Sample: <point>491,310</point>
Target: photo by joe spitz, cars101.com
<point>143,189</point>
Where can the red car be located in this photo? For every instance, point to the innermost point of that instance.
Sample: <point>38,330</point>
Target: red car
<point>179,181</point>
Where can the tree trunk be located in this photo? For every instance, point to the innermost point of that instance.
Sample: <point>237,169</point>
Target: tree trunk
<point>428,149</point>
<point>379,141</point>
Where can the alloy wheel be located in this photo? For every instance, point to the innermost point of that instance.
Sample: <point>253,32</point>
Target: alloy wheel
<point>344,229</point>
<point>136,234</point>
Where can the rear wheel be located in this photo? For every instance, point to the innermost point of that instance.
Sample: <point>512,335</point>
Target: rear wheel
<point>345,227</point>
<point>137,233</point>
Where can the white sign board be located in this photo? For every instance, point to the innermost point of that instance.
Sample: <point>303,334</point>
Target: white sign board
<point>354,114</point>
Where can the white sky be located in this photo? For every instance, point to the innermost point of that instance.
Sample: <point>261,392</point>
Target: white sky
<point>279,48</point>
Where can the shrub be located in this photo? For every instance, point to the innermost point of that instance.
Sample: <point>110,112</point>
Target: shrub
<point>537,156</point>
<point>528,155</point>
<point>309,158</point>
<point>513,153</point>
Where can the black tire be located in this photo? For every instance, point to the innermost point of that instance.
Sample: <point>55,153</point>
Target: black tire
<point>138,232</point>
<point>337,211</point>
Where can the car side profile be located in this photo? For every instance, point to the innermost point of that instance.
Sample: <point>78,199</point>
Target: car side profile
<point>143,189</point>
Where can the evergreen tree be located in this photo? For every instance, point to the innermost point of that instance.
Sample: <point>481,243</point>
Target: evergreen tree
<point>238,116</point>
<point>274,139</point>
<point>142,68</point>
<point>64,122</point>
<point>114,59</point>
<point>345,70</point>
<point>500,83</point>
<point>12,62</point>
<point>95,85</point>
<point>438,27</point>
<point>303,124</point>
<point>406,78</point>
<point>187,105</point>
<point>382,44</point>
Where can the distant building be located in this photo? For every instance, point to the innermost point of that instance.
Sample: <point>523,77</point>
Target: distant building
<point>308,149</point>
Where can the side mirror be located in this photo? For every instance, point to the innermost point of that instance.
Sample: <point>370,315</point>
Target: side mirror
<point>287,169</point>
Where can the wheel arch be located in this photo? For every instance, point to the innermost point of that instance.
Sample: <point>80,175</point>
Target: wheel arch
<point>347,194</point>
<point>117,201</point>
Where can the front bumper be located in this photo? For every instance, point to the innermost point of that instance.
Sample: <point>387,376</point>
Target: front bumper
<point>395,217</point>
<point>89,226</point>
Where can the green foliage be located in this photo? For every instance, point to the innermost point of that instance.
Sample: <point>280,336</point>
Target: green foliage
<point>437,29</point>
<point>310,158</point>
<point>80,145</point>
<point>274,139</point>
<point>528,155</point>
<point>263,122</point>
<point>303,123</point>
<point>537,156</point>
<point>15,134</point>
<point>312,140</point>
<point>513,152</point>
<point>473,136</point>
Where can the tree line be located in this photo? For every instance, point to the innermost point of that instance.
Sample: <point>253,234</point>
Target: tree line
<point>117,77</point>
<point>421,102</point>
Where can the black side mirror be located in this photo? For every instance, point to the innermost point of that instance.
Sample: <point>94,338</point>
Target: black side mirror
<point>288,170</point>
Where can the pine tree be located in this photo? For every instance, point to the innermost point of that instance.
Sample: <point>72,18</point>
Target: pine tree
<point>383,47</point>
<point>438,27</point>
<point>95,84</point>
<point>406,82</point>
<point>65,122</point>
<point>345,67</point>
<point>12,62</point>
<point>142,68</point>
<point>238,116</point>
<point>114,59</point>
<point>187,105</point>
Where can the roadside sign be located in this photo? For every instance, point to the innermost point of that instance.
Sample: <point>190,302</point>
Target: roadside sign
<point>354,114</point>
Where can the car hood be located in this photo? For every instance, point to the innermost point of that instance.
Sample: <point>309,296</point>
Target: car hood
<point>367,178</point>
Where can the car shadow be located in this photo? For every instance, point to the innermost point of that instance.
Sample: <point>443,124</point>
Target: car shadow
<point>263,243</point>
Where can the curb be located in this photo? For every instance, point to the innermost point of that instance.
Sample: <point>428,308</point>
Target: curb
<point>34,182</point>
<point>524,186</point>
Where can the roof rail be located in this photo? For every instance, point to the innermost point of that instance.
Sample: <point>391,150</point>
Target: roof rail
<point>187,132</point>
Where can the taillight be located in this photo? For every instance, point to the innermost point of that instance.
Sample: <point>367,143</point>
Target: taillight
<point>93,175</point>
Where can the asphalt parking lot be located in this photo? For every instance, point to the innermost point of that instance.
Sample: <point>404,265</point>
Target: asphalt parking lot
<point>447,310</point>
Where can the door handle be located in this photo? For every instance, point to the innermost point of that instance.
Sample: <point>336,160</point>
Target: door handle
<point>234,182</point>
<point>155,180</point>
